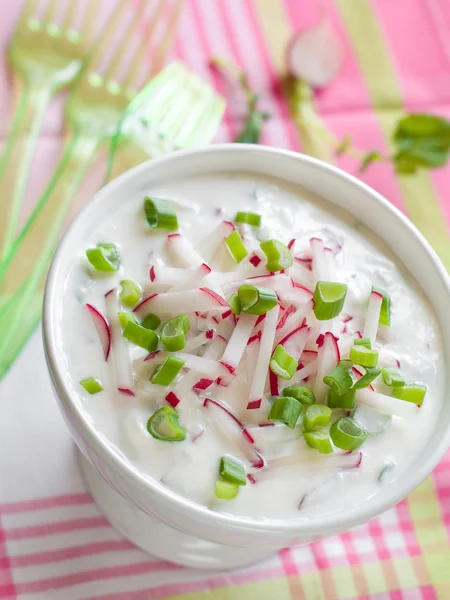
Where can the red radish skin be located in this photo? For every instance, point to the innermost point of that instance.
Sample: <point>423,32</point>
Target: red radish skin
<point>359,374</point>
<point>172,399</point>
<point>248,435</point>
<point>152,273</point>
<point>238,342</point>
<point>268,424</point>
<point>287,312</point>
<point>291,244</point>
<point>251,478</point>
<point>103,329</point>
<point>254,260</point>
<point>152,355</point>
<point>254,338</point>
<point>273,382</point>
<point>189,301</point>
<point>203,384</point>
<point>226,314</point>
<point>254,404</point>
<point>199,434</point>
<point>183,251</point>
<point>126,391</point>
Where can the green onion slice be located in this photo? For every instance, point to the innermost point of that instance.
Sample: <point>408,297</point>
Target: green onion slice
<point>173,333</point>
<point>232,470</point>
<point>248,217</point>
<point>363,342</point>
<point>340,380</point>
<point>302,393</point>
<point>346,400</point>
<point>226,490</point>
<point>130,292</point>
<point>125,318</point>
<point>285,410</point>
<point>163,425</point>
<point>256,300</point>
<point>317,415</point>
<point>329,298</point>
<point>236,246</point>
<point>319,440</point>
<point>345,434</point>
<point>414,392</point>
<point>385,313</point>
<point>235,304</point>
<point>279,256</point>
<point>151,321</point>
<point>364,356</point>
<point>392,377</point>
<point>166,373</point>
<point>145,338</point>
<point>91,385</point>
<point>371,373</point>
<point>160,214</point>
<point>105,257</point>
<point>282,364</point>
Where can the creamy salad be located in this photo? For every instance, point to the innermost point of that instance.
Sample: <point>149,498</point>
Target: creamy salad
<point>251,347</point>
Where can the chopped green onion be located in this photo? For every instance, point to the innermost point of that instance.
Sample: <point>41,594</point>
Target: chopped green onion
<point>105,257</point>
<point>144,338</point>
<point>163,425</point>
<point>256,300</point>
<point>302,393</point>
<point>250,218</point>
<point>319,440</point>
<point>370,374</point>
<point>285,410</point>
<point>130,292</point>
<point>226,490</point>
<point>346,400</point>
<point>385,470</point>
<point>414,392</point>
<point>279,256</point>
<point>236,246</point>
<point>173,333</point>
<point>232,470</point>
<point>125,318</point>
<point>160,214</point>
<point>392,378</point>
<point>235,304</point>
<point>345,363</point>
<point>91,385</point>
<point>317,415</point>
<point>282,363</point>
<point>151,321</point>
<point>340,380</point>
<point>345,434</point>
<point>166,373</point>
<point>385,313</point>
<point>363,342</point>
<point>364,356</point>
<point>329,298</point>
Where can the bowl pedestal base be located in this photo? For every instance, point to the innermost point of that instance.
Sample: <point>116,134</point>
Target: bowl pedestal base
<point>159,539</point>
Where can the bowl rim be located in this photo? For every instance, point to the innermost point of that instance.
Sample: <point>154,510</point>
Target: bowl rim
<point>340,521</point>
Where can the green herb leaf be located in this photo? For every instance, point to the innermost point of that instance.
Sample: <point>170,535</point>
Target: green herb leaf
<point>344,146</point>
<point>368,159</point>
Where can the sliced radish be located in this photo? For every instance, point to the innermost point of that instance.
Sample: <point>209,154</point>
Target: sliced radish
<point>373,316</point>
<point>191,280</point>
<point>319,261</point>
<point>315,54</point>
<point>262,363</point>
<point>126,391</point>
<point>103,329</point>
<point>328,358</point>
<point>169,275</point>
<point>284,314</point>
<point>330,261</point>
<point>183,251</point>
<point>296,295</point>
<point>387,404</point>
<point>189,301</point>
<point>294,320</point>
<point>304,372</point>
<point>302,275</point>
<point>239,339</point>
<point>273,383</point>
<point>294,342</point>
<point>120,354</point>
<point>202,384</point>
<point>206,366</point>
<point>209,245</point>
<point>199,340</point>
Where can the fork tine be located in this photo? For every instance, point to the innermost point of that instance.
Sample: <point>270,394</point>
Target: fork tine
<point>28,11</point>
<point>88,20</point>
<point>105,42</point>
<point>203,131</point>
<point>116,61</point>
<point>134,69</point>
<point>69,15</point>
<point>196,119</point>
<point>50,12</point>
<point>166,42</point>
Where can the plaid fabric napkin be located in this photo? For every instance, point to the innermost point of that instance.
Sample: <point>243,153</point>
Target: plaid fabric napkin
<point>54,545</point>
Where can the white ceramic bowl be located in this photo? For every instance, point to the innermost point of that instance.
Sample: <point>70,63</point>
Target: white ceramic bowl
<point>192,534</point>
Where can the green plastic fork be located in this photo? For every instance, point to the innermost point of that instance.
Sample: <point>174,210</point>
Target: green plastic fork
<point>175,110</point>
<point>45,57</point>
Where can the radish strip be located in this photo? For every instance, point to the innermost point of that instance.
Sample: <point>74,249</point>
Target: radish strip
<point>373,316</point>
<point>189,301</point>
<point>199,340</point>
<point>386,404</point>
<point>302,275</point>
<point>319,263</point>
<point>209,245</point>
<point>310,463</point>
<point>238,340</point>
<point>294,342</point>
<point>328,358</point>
<point>203,365</point>
<point>265,352</point>
<point>294,321</point>
<point>191,280</point>
<point>304,372</point>
<point>168,275</point>
<point>183,251</point>
<point>121,363</point>
<point>273,382</point>
<point>103,329</point>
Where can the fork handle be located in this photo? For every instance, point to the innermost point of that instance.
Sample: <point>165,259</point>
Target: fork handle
<point>15,163</point>
<point>32,251</point>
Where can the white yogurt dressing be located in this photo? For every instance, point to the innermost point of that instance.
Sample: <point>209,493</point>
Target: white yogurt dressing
<point>191,467</point>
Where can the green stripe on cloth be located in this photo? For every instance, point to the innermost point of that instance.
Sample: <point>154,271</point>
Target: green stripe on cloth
<point>379,75</point>
<point>276,588</point>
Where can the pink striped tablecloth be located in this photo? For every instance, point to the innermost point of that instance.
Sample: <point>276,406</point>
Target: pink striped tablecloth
<point>54,545</point>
